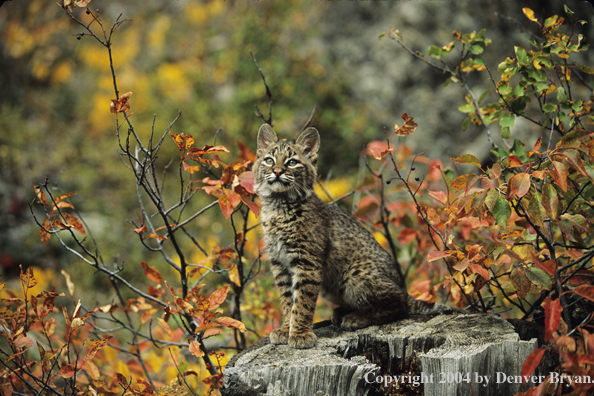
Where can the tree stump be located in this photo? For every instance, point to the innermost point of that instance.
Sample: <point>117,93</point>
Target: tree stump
<point>441,355</point>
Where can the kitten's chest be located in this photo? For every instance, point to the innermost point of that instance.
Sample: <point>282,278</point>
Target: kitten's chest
<point>286,228</point>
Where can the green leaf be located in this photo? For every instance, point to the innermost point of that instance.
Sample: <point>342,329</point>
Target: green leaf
<point>468,159</point>
<point>550,200</point>
<point>507,120</point>
<point>569,13</point>
<point>434,51</point>
<point>539,278</point>
<point>521,56</point>
<point>505,133</point>
<point>483,96</point>
<point>535,209</point>
<point>561,95</point>
<point>467,108</point>
<point>466,124</point>
<point>585,69</point>
<point>477,49</point>
<point>549,107</point>
<point>501,211</point>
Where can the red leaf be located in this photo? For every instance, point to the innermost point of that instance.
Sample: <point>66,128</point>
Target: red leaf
<point>560,175</point>
<point>479,269</point>
<point>246,153</point>
<point>531,363</point>
<point>519,185</point>
<point>252,205</point>
<point>228,201</point>
<point>246,180</point>
<point>514,162</point>
<point>437,255</point>
<point>440,196</point>
<point>585,291</point>
<point>122,380</point>
<point>552,317</point>
<point>218,297</point>
<point>536,147</point>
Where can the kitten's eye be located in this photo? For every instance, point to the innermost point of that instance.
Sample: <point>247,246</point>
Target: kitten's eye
<point>292,163</point>
<point>269,161</point>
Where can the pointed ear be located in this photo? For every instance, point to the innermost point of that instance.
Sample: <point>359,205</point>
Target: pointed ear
<point>310,140</point>
<point>266,137</point>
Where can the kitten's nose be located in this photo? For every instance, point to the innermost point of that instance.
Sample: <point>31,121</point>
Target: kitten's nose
<point>278,171</point>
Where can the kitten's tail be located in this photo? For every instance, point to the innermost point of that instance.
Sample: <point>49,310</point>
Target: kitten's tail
<point>427,308</point>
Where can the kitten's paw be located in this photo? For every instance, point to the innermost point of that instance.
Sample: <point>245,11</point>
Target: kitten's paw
<point>336,318</point>
<point>354,321</point>
<point>279,336</point>
<point>302,341</point>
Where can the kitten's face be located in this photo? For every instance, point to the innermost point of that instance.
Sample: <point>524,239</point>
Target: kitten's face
<point>286,169</point>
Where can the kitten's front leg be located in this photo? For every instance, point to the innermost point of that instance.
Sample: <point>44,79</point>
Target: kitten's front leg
<point>305,289</point>
<point>283,283</point>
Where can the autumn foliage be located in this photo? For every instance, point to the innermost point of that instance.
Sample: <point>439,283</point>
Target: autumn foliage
<point>512,237</point>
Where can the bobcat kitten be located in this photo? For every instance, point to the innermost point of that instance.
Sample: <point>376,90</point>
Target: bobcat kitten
<point>317,248</point>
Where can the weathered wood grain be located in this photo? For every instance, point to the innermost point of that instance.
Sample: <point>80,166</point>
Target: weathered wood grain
<point>348,363</point>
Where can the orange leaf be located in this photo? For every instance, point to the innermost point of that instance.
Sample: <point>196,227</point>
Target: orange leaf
<point>23,342</point>
<point>67,371</point>
<point>40,195</point>
<point>28,278</point>
<point>120,105</point>
<point>151,273</point>
<point>93,370</point>
<point>409,126</point>
<point>560,175</point>
<point>536,147</point>
<point>43,234</point>
<point>218,297</point>
<point>74,223</point>
<point>195,349</point>
<point>141,229</point>
<point>94,347</point>
<point>183,142</point>
<point>164,326</point>
<point>122,380</point>
<point>230,322</point>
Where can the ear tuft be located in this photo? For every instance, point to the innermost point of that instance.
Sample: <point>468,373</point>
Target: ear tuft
<point>310,140</point>
<point>266,138</point>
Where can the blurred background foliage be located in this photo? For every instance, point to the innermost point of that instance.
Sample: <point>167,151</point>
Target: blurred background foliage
<point>194,57</point>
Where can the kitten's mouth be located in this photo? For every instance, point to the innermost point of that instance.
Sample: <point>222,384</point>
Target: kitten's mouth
<point>279,181</point>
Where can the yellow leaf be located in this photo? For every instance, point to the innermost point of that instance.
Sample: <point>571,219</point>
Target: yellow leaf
<point>529,14</point>
<point>69,283</point>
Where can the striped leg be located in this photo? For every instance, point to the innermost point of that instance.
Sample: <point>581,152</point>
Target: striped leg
<point>283,283</point>
<point>306,287</point>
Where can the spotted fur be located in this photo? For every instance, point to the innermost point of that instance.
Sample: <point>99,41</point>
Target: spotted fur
<point>318,249</point>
